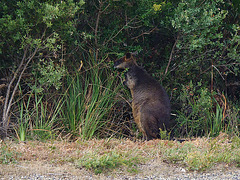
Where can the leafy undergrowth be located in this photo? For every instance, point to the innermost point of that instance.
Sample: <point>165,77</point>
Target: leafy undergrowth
<point>105,155</point>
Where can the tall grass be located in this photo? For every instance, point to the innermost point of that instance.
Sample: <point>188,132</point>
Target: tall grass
<point>36,118</point>
<point>23,120</point>
<point>37,114</point>
<point>89,99</point>
<point>82,109</point>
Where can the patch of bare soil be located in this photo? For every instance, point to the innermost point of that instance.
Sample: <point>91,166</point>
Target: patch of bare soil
<point>57,160</point>
<point>154,169</point>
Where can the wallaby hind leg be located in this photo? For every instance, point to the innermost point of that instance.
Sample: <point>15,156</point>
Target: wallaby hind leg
<point>150,126</point>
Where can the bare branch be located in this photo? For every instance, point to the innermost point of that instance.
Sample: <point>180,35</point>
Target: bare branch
<point>118,32</point>
<point>145,33</point>
<point>8,104</point>
<point>171,55</point>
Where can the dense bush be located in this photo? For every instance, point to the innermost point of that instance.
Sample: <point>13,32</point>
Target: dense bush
<point>35,36</point>
<point>207,51</point>
<point>56,72</point>
<point>206,46</point>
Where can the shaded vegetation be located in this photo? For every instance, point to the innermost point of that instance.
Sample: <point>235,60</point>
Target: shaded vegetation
<point>57,78</point>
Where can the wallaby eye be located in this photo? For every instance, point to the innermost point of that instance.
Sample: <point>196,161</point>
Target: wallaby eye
<point>128,55</point>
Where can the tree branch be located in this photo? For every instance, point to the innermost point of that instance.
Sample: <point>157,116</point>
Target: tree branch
<point>171,55</point>
<point>118,32</point>
<point>8,104</point>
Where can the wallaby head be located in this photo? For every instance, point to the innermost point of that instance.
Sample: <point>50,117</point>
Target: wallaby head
<point>125,62</point>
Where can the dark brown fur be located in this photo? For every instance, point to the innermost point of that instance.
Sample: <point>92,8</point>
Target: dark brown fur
<point>150,104</point>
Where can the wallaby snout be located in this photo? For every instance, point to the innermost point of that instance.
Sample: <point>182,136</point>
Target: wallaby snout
<point>120,64</point>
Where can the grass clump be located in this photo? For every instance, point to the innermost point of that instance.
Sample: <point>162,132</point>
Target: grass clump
<point>101,163</point>
<point>202,154</point>
<point>89,99</point>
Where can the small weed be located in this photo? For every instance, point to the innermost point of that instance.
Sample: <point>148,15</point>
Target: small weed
<point>52,148</point>
<point>109,161</point>
<point>6,155</point>
<point>235,142</point>
<point>164,135</point>
<point>199,161</point>
<point>177,154</point>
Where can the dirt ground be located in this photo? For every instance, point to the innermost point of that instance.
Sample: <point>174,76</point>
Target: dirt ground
<point>155,169</point>
<point>55,160</point>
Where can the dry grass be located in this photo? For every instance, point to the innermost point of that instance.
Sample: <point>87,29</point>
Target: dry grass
<point>198,154</point>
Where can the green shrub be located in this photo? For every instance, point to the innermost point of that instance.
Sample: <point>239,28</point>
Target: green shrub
<point>206,47</point>
<point>32,22</point>
<point>205,51</point>
<point>201,114</point>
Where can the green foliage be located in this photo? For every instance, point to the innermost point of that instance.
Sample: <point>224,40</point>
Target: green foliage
<point>26,23</point>
<point>48,74</point>
<point>53,36</point>
<point>206,51</point>
<point>164,135</point>
<point>196,110</point>
<point>201,114</point>
<point>123,25</point>
<point>236,5</point>
<point>23,121</point>
<point>205,43</point>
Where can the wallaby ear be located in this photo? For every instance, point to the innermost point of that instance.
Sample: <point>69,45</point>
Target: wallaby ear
<point>128,55</point>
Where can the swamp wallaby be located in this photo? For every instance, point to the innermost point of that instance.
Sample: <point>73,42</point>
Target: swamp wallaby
<point>150,102</point>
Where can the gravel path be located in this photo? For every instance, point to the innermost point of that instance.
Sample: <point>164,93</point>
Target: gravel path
<point>154,169</point>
